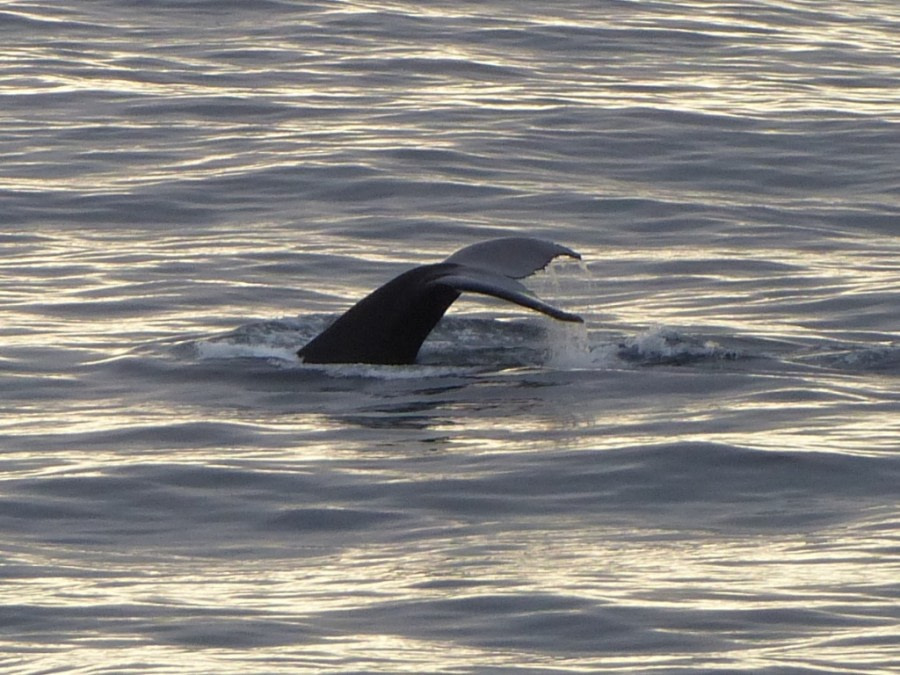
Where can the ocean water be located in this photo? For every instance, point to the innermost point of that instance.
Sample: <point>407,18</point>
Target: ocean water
<point>704,477</point>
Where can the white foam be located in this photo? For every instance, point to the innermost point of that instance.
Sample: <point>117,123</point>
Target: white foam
<point>664,344</point>
<point>223,349</point>
<point>384,372</point>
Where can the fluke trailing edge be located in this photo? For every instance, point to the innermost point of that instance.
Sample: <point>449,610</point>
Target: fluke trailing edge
<point>389,325</point>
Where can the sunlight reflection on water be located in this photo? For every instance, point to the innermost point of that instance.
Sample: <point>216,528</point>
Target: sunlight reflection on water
<point>701,477</point>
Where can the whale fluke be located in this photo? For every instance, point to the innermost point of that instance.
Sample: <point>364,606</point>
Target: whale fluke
<point>513,257</point>
<point>389,325</point>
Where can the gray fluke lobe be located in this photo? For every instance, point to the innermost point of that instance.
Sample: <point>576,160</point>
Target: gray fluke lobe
<point>389,325</point>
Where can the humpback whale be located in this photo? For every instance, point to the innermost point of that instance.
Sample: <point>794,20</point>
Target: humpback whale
<point>389,325</point>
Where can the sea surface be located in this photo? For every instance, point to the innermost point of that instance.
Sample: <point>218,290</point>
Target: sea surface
<point>703,477</point>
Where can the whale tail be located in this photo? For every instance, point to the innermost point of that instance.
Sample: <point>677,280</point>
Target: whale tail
<point>389,325</point>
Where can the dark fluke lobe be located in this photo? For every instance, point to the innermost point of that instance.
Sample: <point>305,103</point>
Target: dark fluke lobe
<point>389,325</point>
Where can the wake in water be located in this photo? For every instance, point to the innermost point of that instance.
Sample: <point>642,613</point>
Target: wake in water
<point>462,345</point>
<point>484,343</point>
